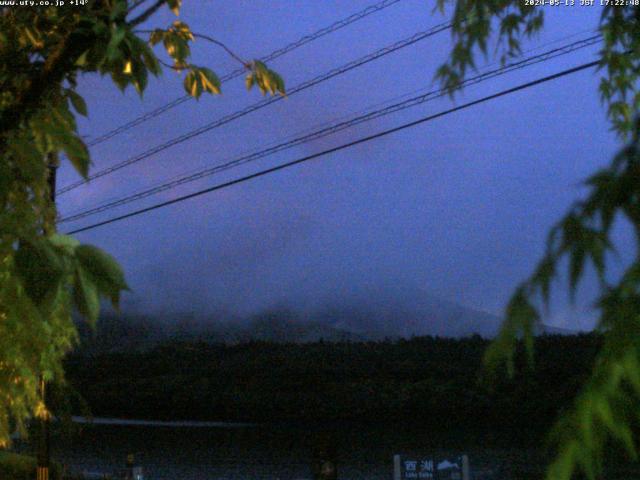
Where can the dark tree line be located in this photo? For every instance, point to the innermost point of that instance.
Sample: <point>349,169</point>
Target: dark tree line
<point>433,382</point>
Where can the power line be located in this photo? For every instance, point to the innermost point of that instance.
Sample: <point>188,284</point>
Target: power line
<point>263,103</point>
<point>239,71</point>
<point>361,111</point>
<point>368,138</point>
<point>336,127</point>
<point>417,37</point>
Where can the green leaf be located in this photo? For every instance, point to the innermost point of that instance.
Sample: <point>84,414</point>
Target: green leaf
<point>250,81</point>
<point>104,271</point>
<point>509,23</point>
<point>140,76</point>
<point>192,84</point>
<point>62,122</point>
<point>40,268</point>
<point>156,36</point>
<point>279,82</point>
<point>78,102</point>
<point>120,79</point>
<point>78,154</point>
<point>210,81</point>
<point>176,47</point>
<point>142,50</point>
<point>267,80</point>
<point>563,466</point>
<point>175,5</point>
<point>85,295</point>
<point>182,30</point>
<point>64,241</point>
<point>520,318</point>
<point>113,50</point>
<point>119,10</point>
<point>544,275</point>
<point>576,268</point>
<point>31,157</point>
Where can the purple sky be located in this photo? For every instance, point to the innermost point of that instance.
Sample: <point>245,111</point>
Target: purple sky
<point>458,207</point>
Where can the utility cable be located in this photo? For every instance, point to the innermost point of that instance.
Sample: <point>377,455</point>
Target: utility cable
<point>239,71</point>
<point>336,127</point>
<point>263,103</point>
<point>344,146</point>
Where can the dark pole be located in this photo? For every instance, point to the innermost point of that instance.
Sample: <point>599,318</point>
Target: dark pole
<point>44,454</point>
<point>52,163</point>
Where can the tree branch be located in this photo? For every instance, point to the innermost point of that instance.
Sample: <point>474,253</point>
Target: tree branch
<point>147,13</point>
<point>173,67</point>
<point>135,5</point>
<point>231,53</point>
<point>223,46</point>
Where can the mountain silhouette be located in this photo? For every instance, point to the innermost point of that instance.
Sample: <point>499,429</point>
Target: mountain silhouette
<point>366,315</point>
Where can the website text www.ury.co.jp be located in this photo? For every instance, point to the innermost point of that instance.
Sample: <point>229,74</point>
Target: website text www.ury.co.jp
<point>43,3</point>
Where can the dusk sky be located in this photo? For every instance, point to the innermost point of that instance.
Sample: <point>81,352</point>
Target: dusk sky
<point>458,207</point>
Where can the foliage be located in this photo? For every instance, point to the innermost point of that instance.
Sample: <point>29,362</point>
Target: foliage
<point>607,406</point>
<point>14,466</point>
<point>44,275</point>
<point>267,80</point>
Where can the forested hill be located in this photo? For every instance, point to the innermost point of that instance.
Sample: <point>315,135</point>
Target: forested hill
<point>425,380</point>
<point>338,323</point>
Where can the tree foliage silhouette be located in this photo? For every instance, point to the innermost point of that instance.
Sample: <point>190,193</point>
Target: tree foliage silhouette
<point>608,404</point>
<point>44,275</point>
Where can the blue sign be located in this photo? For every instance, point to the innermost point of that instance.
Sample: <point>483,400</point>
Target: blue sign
<point>430,468</point>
